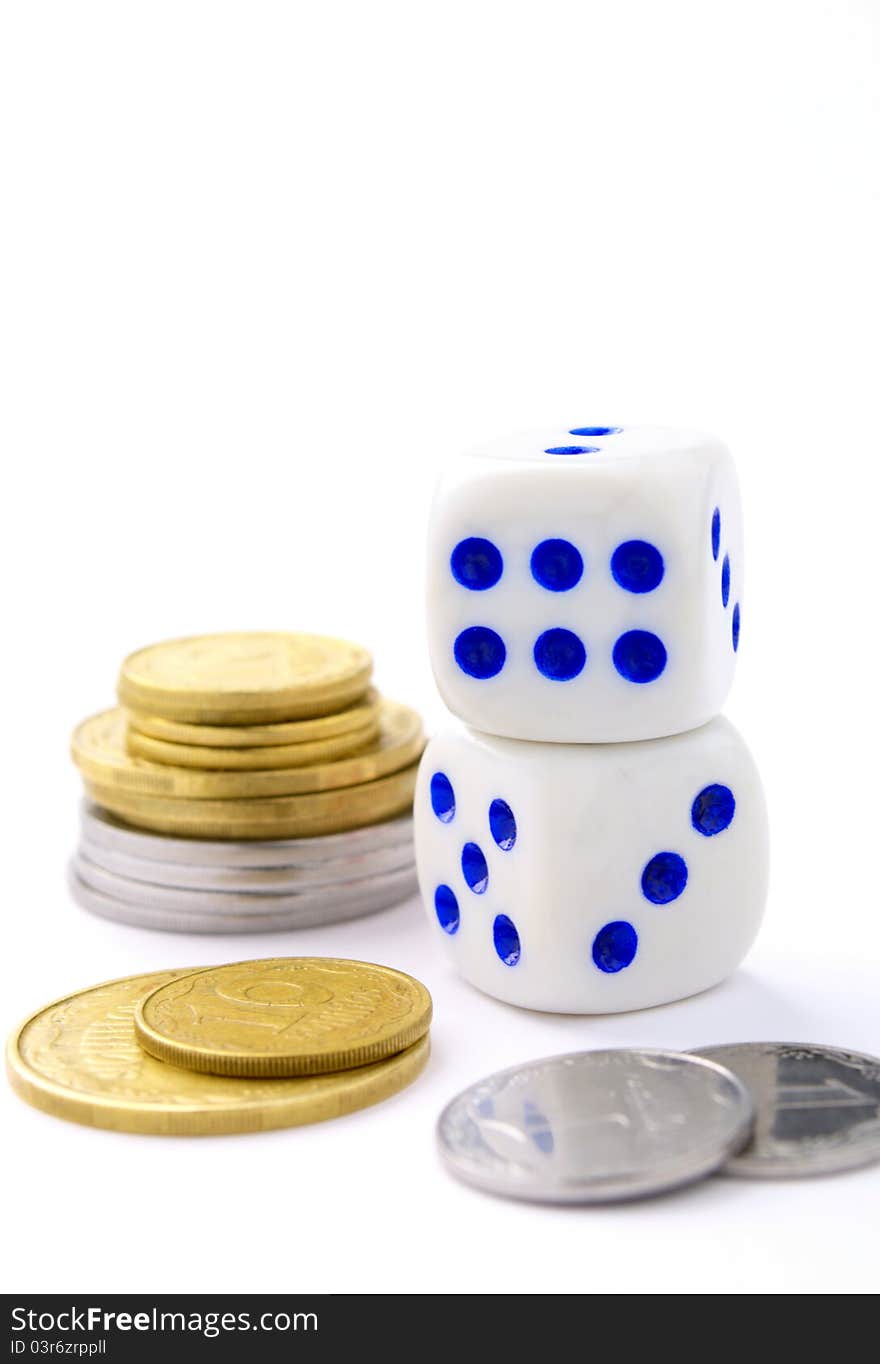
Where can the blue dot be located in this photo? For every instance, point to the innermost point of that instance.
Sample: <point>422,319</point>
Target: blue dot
<point>572,450</point>
<point>480,652</point>
<point>637,566</point>
<point>595,431</point>
<point>614,946</point>
<point>725,580</point>
<point>664,878</point>
<point>716,533</point>
<point>506,940</point>
<point>446,907</point>
<point>476,564</point>
<point>559,655</point>
<point>502,824</point>
<point>639,656</point>
<point>474,868</point>
<point>734,627</point>
<point>713,810</point>
<point>538,1127</point>
<point>557,565</point>
<point>442,798</point>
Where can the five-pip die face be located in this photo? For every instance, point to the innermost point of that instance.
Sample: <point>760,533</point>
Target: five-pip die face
<point>592,878</point>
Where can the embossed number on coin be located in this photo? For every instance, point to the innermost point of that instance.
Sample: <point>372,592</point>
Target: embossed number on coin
<point>817,1108</point>
<point>79,1059</point>
<point>284,1016</point>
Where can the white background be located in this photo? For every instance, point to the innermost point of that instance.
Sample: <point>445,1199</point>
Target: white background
<point>264,267</point>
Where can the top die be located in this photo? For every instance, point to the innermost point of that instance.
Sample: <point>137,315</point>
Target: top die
<point>585,584</point>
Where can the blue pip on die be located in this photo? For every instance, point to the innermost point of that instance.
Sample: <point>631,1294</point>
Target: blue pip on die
<point>585,584</point>
<point>592,878</point>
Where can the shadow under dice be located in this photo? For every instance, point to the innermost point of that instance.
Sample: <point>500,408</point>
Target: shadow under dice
<point>585,586</point>
<point>592,878</point>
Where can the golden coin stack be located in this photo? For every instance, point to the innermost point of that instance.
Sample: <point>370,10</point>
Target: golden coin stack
<point>240,1048</point>
<point>246,782</point>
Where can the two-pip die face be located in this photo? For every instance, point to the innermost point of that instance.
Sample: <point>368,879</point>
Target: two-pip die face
<point>592,879</point>
<point>585,585</point>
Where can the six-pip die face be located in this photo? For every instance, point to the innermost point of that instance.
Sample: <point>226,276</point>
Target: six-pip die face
<point>585,585</point>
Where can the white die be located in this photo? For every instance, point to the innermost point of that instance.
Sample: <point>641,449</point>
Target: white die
<point>592,878</point>
<point>589,597</point>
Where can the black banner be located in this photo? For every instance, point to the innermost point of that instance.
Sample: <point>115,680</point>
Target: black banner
<point>136,1327</point>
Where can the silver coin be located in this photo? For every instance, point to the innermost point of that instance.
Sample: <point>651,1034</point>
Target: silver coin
<point>234,902</point>
<point>102,827</point>
<point>255,880</point>
<point>817,1109</point>
<point>596,1126</point>
<point>171,921</point>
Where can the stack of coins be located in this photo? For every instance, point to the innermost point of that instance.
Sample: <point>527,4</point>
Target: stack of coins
<point>239,1048</point>
<point>246,783</point>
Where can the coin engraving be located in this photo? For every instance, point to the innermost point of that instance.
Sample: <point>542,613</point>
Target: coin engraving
<point>298,1015</point>
<point>595,1126</point>
<point>55,1061</point>
<point>109,1050</point>
<point>817,1108</point>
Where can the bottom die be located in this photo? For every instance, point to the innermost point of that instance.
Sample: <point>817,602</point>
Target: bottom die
<point>592,878</point>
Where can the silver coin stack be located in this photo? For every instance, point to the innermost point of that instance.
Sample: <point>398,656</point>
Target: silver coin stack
<point>608,1126</point>
<point>189,886</point>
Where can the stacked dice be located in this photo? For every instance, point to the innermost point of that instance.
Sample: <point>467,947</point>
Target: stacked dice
<point>593,837</point>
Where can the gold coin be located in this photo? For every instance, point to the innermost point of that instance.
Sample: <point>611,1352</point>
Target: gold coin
<point>251,759</point>
<point>283,1016</point>
<point>245,678</point>
<point>79,1059</point>
<point>285,734</point>
<point>100,750</point>
<point>307,816</point>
